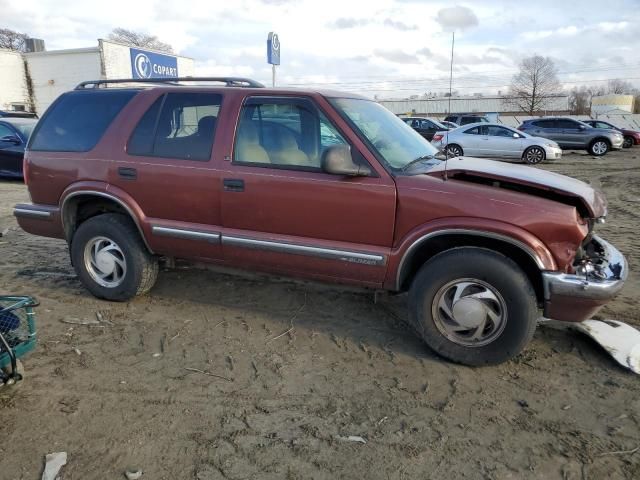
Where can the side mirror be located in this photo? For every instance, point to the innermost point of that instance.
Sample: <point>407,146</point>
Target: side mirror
<point>11,139</point>
<point>337,160</point>
<point>515,135</point>
<point>581,127</point>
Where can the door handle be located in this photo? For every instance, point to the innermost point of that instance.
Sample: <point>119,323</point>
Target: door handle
<point>233,185</point>
<point>127,173</point>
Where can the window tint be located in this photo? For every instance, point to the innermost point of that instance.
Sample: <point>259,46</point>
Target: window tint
<point>602,125</point>
<point>544,123</point>
<point>77,120</point>
<point>473,131</point>
<point>566,123</point>
<point>496,131</point>
<point>466,120</point>
<point>177,125</point>
<point>287,134</point>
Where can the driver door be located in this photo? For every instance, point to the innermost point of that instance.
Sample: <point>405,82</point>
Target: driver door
<point>282,213</point>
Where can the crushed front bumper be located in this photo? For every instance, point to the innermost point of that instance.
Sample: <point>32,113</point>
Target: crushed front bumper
<point>574,298</point>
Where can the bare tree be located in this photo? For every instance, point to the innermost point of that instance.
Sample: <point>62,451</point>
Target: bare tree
<point>13,40</point>
<point>136,39</point>
<point>580,99</point>
<point>620,87</point>
<point>533,88</point>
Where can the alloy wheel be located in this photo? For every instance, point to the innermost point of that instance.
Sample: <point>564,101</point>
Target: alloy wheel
<point>534,155</point>
<point>600,147</point>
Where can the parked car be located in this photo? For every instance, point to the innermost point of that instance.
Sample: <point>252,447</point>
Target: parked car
<point>14,134</point>
<point>320,185</point>
<point>466,118</point>
<point>451,125</point>
<point>496,141</point>
<point>427,127</point>
<point>572,134</point>
<point>631,137</point>
<point>17,114</point>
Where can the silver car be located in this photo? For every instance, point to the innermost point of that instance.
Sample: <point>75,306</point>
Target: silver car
<point>496,141</point>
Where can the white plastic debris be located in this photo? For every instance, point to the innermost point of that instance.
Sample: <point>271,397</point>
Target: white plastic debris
<point>622,341</point>
<point>352,438</point>
<point>53,463</point>
<point>133,473</point>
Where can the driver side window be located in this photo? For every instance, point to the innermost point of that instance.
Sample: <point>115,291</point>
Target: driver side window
<point>284,133</point>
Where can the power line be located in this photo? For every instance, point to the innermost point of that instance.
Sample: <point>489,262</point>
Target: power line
<point>442,81</point>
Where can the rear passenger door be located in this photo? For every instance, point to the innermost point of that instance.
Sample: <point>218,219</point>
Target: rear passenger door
<point>166,166</point>
<point>282,213</point>
<point>471,140</point>
<point>572,132</point>
<point>546,129</point>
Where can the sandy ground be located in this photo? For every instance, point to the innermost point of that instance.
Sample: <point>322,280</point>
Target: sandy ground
<point>120,394</point>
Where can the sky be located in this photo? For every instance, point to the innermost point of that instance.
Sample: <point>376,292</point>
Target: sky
<point>388,48</point>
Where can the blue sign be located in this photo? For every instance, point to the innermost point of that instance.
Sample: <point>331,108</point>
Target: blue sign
<point>152,65</point>
<point>273,49</point>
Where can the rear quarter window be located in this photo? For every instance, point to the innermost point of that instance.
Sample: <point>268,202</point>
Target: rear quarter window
<point>77,120</point>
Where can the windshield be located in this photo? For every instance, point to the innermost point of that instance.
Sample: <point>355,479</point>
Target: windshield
<point>396,142</point>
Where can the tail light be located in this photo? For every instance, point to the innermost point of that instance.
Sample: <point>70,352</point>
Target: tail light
<point>437,137</point>
<point>25,169</point>
<point>520,127</point>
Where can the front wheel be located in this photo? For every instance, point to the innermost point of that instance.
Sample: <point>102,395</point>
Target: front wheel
<point>110,258</point>
<point>628,142</point>
<point>473,306</point>
<point>599,147</point>
<point>534,155</point>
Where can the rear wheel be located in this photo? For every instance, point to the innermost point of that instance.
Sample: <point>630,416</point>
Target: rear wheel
<point>473,306</point>
<point>534,155</point>
<point>454,150</point>
<point>110,258</point>
<point>599,147</point>
<point>628,142</point>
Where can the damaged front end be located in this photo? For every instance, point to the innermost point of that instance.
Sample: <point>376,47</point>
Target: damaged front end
<point>600,271</point>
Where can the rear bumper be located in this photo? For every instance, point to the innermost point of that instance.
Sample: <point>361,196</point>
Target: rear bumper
<point>574,298</point>
<point>43,220</point>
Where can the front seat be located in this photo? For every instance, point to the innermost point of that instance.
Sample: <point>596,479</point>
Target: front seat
<point>287,151</point>
<point>248,148</point>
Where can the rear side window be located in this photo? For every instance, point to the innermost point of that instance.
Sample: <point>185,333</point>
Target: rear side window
<point>544,123</point>
<point>77,120</point>
<point>177,125</point>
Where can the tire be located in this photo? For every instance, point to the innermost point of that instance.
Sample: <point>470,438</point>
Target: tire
<point>628,142</point>
<point>599,147</point>
<point>534,155</point>
<point>499,286</point>
<point>454,150</point>
<point>120,251</point>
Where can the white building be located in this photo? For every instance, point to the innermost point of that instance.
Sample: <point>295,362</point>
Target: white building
<point>612,104</point>
<point>32,81</point>
<point>466,104</point>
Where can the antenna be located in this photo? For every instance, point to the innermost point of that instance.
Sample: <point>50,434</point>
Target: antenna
<point>446,150</point>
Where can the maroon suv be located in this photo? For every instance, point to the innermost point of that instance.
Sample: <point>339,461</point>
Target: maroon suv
<point>322,185</point>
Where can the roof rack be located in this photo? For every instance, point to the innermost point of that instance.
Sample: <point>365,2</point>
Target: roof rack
<point>228,81</point>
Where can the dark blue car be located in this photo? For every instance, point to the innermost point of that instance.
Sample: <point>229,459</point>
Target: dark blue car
<point>14,134</point>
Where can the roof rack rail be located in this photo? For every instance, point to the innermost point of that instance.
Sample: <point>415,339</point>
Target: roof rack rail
<point>228,81</point>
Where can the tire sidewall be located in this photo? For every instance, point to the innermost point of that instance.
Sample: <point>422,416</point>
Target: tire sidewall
<point>496,270</point>
<point>105,226</point>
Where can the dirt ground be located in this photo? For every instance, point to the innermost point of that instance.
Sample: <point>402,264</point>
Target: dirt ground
<point>299,367</point>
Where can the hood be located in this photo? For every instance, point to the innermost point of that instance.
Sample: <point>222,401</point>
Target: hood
<point>590,201</point>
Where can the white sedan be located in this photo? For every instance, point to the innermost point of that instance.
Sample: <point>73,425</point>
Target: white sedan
<point>495,141</point>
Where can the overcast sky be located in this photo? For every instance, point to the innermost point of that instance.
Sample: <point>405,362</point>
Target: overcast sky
<point>393,48</point>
